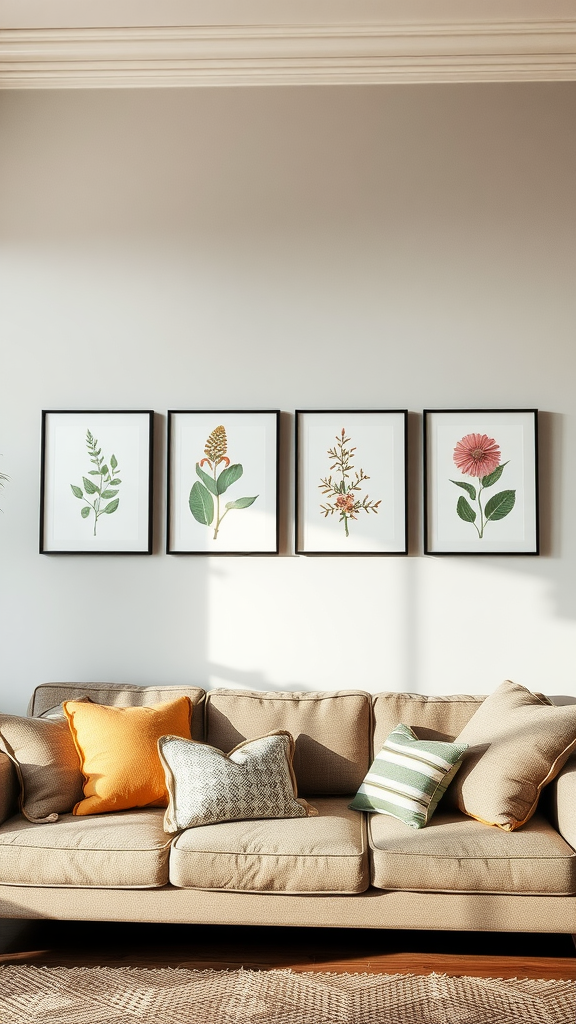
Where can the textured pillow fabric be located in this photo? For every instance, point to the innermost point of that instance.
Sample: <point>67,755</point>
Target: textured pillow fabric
<point>517,743</point>
<point>255,780</point>
<point>47,765</point>
<point>118,752</point>
<point>408,777</point>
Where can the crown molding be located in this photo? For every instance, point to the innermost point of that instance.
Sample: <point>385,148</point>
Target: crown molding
<point>72,58</point>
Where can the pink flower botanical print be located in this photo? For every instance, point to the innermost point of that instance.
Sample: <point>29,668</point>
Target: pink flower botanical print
<point>344,488</point>
<point>478,456</point>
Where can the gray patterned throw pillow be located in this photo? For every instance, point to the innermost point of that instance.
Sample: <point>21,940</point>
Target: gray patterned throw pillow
<point>255,780</point>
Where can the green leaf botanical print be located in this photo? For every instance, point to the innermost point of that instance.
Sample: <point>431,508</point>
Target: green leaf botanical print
<point>467,487</point>
<point>204,499</point>
<point>344,488</point>
<point>465,510</point>
<point>105,486</point>
<point>500,505</point>
<point>201,504</point>
<point>478,456</point>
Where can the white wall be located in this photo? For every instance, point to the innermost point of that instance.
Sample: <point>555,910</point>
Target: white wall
<point>361,247</point>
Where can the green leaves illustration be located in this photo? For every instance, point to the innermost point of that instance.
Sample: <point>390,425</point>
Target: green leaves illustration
<point>241,503</point>
<point>201,504</point>
<point>102,489</point>
<point>228,477</point>
<point>204,498</point>
<point>493,478</point>
<point>467,487</point>
<point>500,505</point>
<point>497,507</point>
<point>465,511</point>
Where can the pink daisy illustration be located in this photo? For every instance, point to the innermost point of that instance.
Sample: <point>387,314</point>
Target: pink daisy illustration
<point>477,455</point>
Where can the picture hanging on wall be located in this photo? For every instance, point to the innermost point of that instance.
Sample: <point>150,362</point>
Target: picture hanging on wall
<point>351,482</point>
<point>481,482</point>
<point>222,482</point>
<point>96,482</point>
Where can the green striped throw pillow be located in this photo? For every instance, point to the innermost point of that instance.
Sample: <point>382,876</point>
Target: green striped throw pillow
<point>409,777</point>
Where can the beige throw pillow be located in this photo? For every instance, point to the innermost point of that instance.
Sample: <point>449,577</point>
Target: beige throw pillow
<point>206,786</point>
<point>517,743</point>
<point>47,765</point>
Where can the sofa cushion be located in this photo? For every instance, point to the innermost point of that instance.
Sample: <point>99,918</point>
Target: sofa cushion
<point>324,854</point>
<point>458,854</point>
<point>435,717</point>
<point>562,801</point>
<point>206,786</point>
<point>331,732</point>
<point>47,765</point>
<point>408,777</point>
<point>119,755</point>
<point>47,696</point>
<point>111,851</point>
<point>518,743</point>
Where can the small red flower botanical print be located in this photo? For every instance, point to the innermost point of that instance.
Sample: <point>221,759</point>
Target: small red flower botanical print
<point>479,456</point>
<point>344,488</point>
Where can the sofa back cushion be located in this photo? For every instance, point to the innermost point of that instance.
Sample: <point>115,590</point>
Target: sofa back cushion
<point>48,696</point>
<point>331,731</point>
<point>431,717</point>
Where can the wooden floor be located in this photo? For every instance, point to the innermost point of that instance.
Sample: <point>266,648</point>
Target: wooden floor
<point>71,944</point>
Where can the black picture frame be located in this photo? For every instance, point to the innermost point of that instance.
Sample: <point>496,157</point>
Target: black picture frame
<point>459,518</point>
<point>96,481</point>
<point>196,484</point>
<point>340,514</point>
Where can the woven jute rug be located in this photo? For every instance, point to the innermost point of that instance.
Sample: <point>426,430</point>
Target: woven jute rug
<point>109,995</point>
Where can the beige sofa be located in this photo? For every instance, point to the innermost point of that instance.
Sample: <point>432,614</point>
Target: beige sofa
<point>341,868</point>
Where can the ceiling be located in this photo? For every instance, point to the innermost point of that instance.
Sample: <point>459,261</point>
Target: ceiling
<point>158,43</point>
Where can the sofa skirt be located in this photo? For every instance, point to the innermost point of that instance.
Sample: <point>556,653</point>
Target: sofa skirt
<point>371,909</point>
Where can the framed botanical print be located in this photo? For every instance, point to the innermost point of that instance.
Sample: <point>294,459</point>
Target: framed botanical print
<point>222,482</point>
<point>96,482</point>
<point>351,482</point>
<point>481,482</point>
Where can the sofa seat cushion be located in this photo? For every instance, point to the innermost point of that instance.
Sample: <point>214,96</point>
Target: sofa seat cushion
<point>459,854</point>
<point>325,854</point>
<point>128,850</point>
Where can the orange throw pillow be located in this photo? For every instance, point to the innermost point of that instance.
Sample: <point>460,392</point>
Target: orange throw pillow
<point>118,750</point>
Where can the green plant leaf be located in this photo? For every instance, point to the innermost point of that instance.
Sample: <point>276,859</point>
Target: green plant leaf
<point>500,505</point>
<point>104,470</point>
<point>201,504</point>
<point>464,510</point>
<point>113,461</point>
<point>89,487</point>
<point>77,491</point>
<point>241,502</point>
<point>108,493</point>
<point>208,481</point>
<point>115,481</point>
<point>467,487</point>
<point>93,472</point>
<point>493,478</point>
<point>85,512</point>
<point>111,506</point>
<point>229,476</point>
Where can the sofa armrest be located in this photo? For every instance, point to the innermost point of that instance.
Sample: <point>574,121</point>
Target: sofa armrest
<point>562,801</point>
<point>9,788</point>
